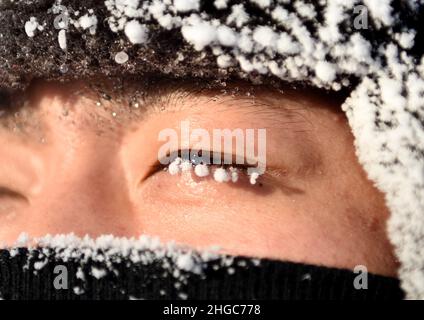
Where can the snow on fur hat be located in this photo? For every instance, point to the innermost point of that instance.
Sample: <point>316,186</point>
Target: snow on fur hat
<point>372,47</point>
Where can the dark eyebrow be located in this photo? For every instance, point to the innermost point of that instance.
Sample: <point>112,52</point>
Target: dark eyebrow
<point>155,94</point>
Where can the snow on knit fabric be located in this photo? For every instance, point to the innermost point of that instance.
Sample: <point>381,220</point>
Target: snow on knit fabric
<point>374,48</point>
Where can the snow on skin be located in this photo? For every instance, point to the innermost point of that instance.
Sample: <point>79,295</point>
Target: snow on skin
<point>22,240</point>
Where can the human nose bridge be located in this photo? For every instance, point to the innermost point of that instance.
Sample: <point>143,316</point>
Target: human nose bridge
<point>89,190</point>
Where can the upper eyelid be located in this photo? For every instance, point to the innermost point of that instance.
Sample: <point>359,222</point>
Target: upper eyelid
<point>179,152</point>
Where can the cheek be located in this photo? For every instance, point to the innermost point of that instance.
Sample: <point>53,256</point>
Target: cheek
<point>206,213</point>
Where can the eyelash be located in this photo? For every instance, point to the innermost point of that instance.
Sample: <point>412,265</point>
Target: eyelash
<point>220,173</point>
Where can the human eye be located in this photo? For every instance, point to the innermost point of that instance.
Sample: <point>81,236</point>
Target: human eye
<point>191,179</point>
<point>222,168</point>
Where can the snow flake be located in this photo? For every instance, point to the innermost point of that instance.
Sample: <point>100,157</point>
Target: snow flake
<point>31,26</point>
<point>187,5</point>
<point>88,22</point>
<point>265,36</point>
<point>325,71</point>
<point>201,170</point>
<point>62,40</point>
<point>221,4</point>
<point>136,32</point>
<point>199,34</point>
<point>238,16</point>
<point>226,36</point>
<point>121,57</point>
<point>221,175</point>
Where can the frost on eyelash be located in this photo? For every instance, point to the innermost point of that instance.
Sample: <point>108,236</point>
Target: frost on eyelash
<point>203,170</point>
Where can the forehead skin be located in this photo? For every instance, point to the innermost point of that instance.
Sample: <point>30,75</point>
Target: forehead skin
<point>154,95</point>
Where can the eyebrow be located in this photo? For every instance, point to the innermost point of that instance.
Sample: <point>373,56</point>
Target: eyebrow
<point>161,95</point>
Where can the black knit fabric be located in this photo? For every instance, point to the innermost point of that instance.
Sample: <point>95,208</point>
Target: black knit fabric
<point>268,280</point>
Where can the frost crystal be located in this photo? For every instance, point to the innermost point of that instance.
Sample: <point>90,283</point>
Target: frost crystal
<point>325,71</point>
<point>121,57</point>
<point>234,174</point>
<point>221,175</point>
<point>31,27</point>
<point>265,36</point>
<point>186,166</point>
<point>174,166</point>
<point>62,40</point>
<point>253,177</point>
<point>186,5</point>
<point>136,32</point>
<point>98,273</point>
<point>199,34</point>
<point>221,4</point>
<point>262,3</point>
<point>224,61</point>
<point>88,22</point>
<point>226,36</point>
<point>201,170</point>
